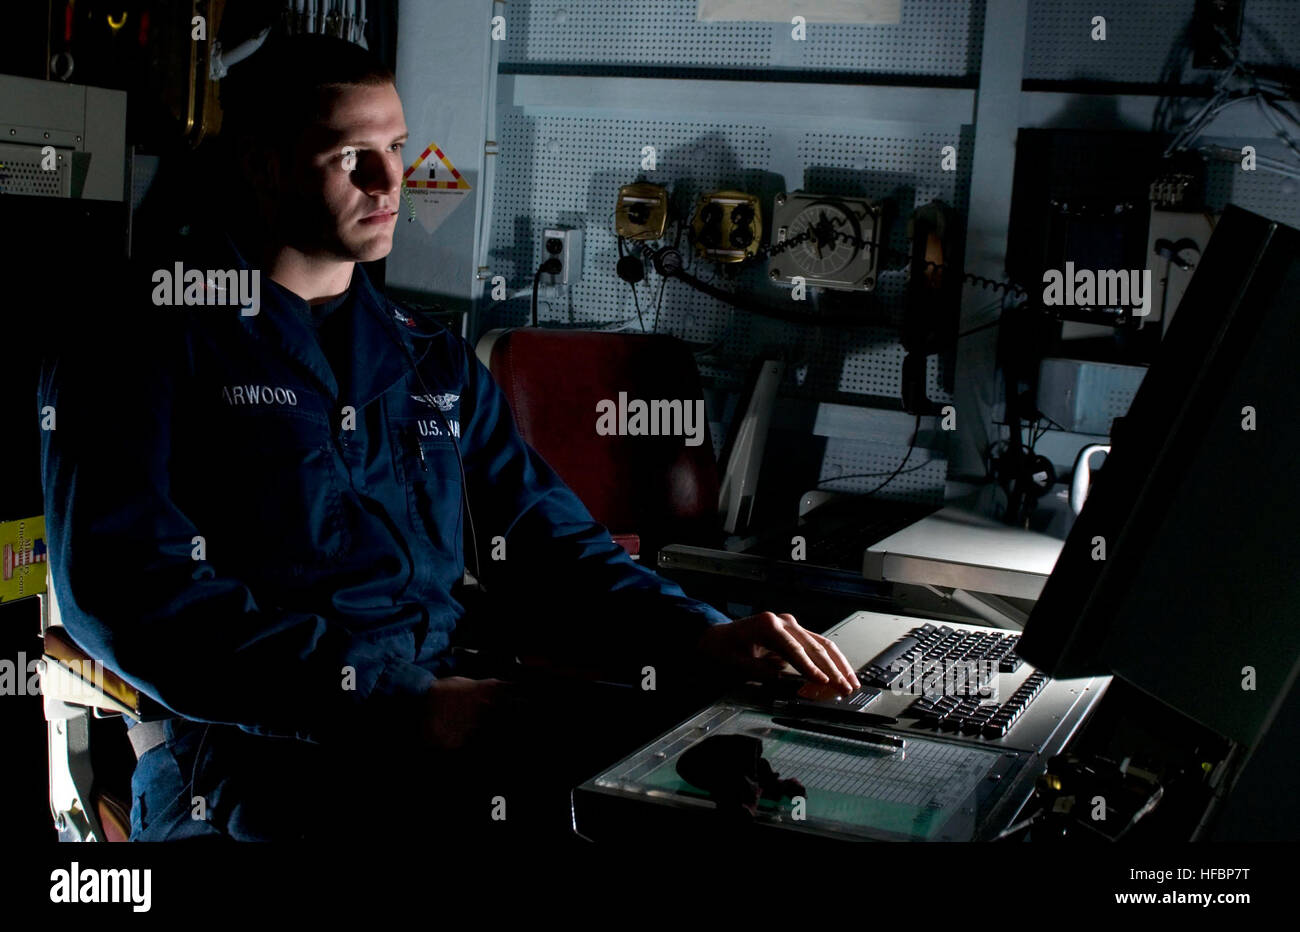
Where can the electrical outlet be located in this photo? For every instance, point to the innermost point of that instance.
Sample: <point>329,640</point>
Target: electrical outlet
<point>565,245</point>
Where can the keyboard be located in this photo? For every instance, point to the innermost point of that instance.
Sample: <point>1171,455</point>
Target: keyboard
<point>971,716</point>
<point>954,676</point>
<point>932,651</point>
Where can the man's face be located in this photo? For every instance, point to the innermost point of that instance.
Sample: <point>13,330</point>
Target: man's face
<point>341,188</point>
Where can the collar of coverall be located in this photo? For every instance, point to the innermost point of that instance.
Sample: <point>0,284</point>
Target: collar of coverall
<point>383,336</point>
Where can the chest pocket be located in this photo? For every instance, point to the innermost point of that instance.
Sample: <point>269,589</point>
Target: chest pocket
<point>424,450</point>
<point>272,493</point>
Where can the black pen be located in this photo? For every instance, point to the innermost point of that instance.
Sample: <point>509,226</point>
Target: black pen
<point>832,714</point>
<point>885,742</point>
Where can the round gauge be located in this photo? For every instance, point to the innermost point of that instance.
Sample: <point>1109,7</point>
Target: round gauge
<point>823,253</point>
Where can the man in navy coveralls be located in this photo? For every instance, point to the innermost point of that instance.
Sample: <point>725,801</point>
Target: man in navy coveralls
<point>279,498</point>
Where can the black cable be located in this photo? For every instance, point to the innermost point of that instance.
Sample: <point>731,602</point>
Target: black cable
<point>873,475</point>
<point>991,323</point>
<point>746,303</point>
<point>537,276</point>
<point>663,281</point>
<point>688,266</point>
<point>637,302</point>
<point>1171,72</point>
<point>825,320</point>
<point>460,462</point>
<point>551,267</point>
<point>1005,287</point>
<point>916,431</point>
<point>395,336</point>
<point>754,307</point>
<point>1050,421</point>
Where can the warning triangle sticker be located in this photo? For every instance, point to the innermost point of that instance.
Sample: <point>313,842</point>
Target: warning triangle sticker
<point>433,188</point>
<point>438,175</point>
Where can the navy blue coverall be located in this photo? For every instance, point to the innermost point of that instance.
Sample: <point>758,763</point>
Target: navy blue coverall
<point>225,543</point>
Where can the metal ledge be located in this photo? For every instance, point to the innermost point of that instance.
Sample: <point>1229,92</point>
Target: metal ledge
<point>781,100</point>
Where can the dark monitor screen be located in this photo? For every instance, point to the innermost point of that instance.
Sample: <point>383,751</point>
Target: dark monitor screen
<point>1182,573</point>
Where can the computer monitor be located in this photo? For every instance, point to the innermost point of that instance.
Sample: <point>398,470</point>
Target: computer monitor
<point>1182,573</point>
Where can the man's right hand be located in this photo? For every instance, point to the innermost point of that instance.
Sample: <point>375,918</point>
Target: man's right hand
<point>456,708</point>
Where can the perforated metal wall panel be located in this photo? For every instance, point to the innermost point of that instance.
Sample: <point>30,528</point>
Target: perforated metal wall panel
<point>1266,193</point>
<point>558,169</point>
<point>1141,36</point>
<point>562,169</point>
<point>1141,46</point>
<point>935,37</point>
